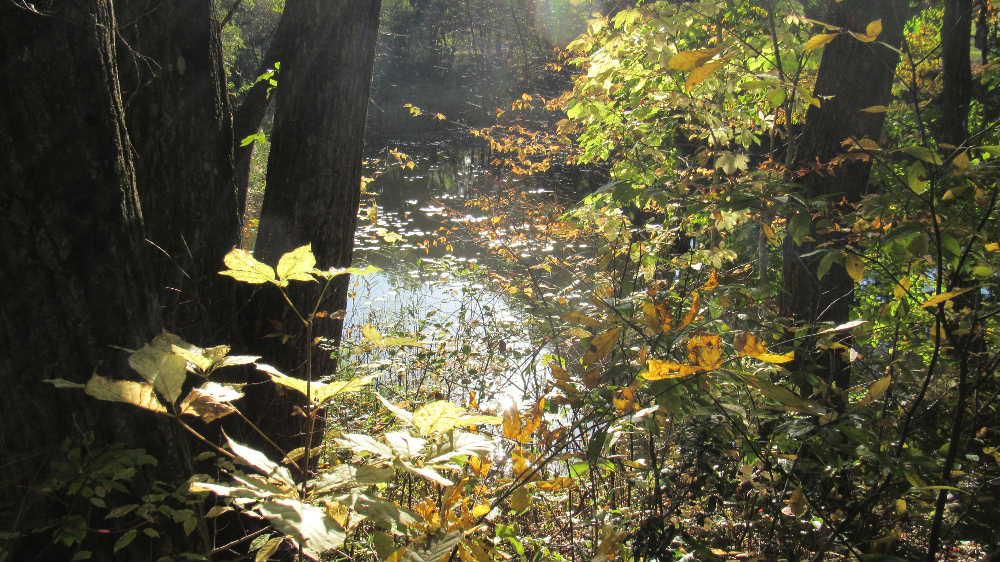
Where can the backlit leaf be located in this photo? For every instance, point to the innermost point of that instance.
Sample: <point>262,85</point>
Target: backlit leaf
<point>297,265</point>
<point>689,60</point>
<point>130,392</point>
<point>944,297</point>
<point>818,41</point>
<point>702,73</point>
<point>243,267</point>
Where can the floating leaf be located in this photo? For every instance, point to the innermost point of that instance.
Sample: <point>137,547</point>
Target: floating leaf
<point>243,267</point>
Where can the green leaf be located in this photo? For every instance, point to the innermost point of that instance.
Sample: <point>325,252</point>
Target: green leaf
<point>825,263</point>
<point>130,392</point>
<point>925,154</point>
<point>308,525</point>
<point>297,265</point>
<point>243,267</point>
<point>916,178</point>
<point>126,539</point>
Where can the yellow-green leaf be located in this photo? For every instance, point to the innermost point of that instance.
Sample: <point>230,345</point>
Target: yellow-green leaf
<point>818,41</point>
<point>855,267</point>
<point>160,366</point>
<point>442,416</point>
<point>130,392</point>
<point>875,109</point>
<point>268,550</point>
<point>876,390</point>
<point>321,392</point>
<point>297,265</point>
<point>243,267</point>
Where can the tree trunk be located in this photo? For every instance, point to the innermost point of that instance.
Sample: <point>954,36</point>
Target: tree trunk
<point>253,108</point>
<point>74,281</point>
<point>853,75</point>
<point>314,170</point>
<point>956,32</point>
<point>181,127</point>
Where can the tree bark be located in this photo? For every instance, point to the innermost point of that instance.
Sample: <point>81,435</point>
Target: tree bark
<point>314,169</point>
<point>181,127</point>
<point>956,32</point>
<point>74,281</point>
<point>853,75</point>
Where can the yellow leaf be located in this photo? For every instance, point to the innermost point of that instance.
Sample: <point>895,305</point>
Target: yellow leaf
<point>297,265</point>
<point>712,283</point>
<point>705,351</point>
<point>992,247</point>
<point>749,345</point>
<point>624,400</point>
<point>818,41</point>
<point>243,267</point>
<point>693,311</point>
<point>520,500</point>
<point>943,297</point>
<point>874,29</point>
<point>876,390</point>
<point>855,267</point>
<point>659,369</point>
<point>556,484</point>
<point>601,345</point>
<point>689,60</point>
<point>479,466</point>
<point>700,74</point>
<point>902,288</point>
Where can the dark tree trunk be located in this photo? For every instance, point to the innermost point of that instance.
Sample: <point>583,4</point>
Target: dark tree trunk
<point>71,269</point>
<point>956,32</point>
<point>314,169</point>
<point>852,76</point>
<point>253,108</point>
<point>181,127</point>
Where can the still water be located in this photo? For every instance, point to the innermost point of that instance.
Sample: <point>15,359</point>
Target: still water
<point>435,282</point>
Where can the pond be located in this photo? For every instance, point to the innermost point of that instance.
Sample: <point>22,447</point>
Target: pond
<point>435,279</point>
